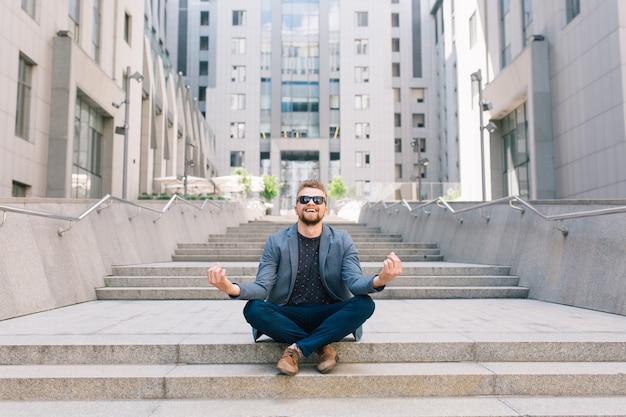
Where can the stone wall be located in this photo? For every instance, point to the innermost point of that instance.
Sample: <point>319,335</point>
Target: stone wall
<point>41,270</point>
<point>584,268</point>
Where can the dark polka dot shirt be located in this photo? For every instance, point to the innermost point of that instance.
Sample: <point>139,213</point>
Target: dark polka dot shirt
<point>309,287</point>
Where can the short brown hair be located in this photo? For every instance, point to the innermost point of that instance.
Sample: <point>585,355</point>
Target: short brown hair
<point>312,184</point>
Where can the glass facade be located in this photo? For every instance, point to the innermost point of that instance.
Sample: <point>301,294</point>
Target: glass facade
<point>300,68</point>
<point>515,158</point>
<point>87,152</point>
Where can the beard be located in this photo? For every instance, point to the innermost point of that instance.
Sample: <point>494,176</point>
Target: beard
<point>310,221</point>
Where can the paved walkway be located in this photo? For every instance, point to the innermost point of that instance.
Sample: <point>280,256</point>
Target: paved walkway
<point>179,319</point>
<point>401,320</point>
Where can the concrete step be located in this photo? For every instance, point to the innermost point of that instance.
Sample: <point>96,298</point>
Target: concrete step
<point>403,253</point>
<point>255,257</point>
<point>262,237</point>
<point>255,381</point>
<point>240,268</point>
<point>395,293</point>
<point>457,406</point>
<point>377,348</point>
<point>402,281</point>
<point>361,246</point>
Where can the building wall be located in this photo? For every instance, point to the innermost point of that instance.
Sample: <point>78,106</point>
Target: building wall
<point>380,177</point>
<point>66,71</point>
<point>571,80</point>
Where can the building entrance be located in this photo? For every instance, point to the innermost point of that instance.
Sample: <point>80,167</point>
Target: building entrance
<point>295,167</point>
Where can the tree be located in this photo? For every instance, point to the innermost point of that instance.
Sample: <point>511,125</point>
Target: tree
<point>270,187</point>
<point>244,180</point>
<point>337,189</point>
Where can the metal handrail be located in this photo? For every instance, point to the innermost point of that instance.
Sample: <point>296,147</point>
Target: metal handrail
<point>556,218</point>
<point>98,207</point>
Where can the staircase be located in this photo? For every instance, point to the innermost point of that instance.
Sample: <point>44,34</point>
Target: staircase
<point>446,340</point>
<point>425,275</point>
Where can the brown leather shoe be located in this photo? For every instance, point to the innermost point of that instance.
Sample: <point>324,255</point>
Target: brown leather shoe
<point>288,364</point>
<point>327,358</point>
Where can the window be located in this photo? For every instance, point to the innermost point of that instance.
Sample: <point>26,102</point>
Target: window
<point>397,96</point>
<point>24,92</point>
<point>398,172</point>
<point>202,93</point>
<point>238,74</point>
<point>515,157</point>
<point>74,19</point>
<point>237,158</point>
<point>238,46</point>
<point>29,7</point>
<point>419,169</point>
<point>397,143</point>
<point>472,30</point>
<point>395,20</point>
<point>418,94</point>
<point>362,159</point>
<point>239,17</point>
<point>505,33</point>
<point>362,130</point>
<point>397,120</point>
<point>362,46</point>
<point>237,130</point>
<point>361,102</point>
<point>204,18</point>
<point>527,20</point>
<point>19,190</point>
<point>204,43</point>
<point>361,19</point>
<point>237,101</point>
<point>421,145</point>
<point>204,68</point>
<point>361,74</point>
<point>572,9</point>
<point>419,120</point>
<point>95,32</point>
<point>87,151</point>
<point>127,27</point>
<point>395,69</point>
<point>395,44</point>
<point>334,102</point>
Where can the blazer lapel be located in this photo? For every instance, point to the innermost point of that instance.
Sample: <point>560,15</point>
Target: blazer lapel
<point>292,243</point>
<point>324,248</point>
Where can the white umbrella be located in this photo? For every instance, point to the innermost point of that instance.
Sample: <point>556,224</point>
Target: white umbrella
<point>233,183</point>
<point>195,184</point>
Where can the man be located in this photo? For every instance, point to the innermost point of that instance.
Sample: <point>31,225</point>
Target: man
<point>309,290</point>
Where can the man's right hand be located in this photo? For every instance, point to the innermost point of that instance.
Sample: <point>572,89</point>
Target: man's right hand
<point>217,277</point>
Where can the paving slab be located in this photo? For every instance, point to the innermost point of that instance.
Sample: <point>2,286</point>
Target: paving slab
<point>510,319</point>
<point>345,407</point>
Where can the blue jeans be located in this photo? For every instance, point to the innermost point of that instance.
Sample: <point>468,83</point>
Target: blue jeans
<point>310,326</point>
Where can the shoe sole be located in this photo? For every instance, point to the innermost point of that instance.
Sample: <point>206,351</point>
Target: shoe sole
<point>287,371</point>
<point>328,368</point>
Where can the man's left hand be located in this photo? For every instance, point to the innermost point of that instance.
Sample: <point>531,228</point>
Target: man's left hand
<point>392,267</point>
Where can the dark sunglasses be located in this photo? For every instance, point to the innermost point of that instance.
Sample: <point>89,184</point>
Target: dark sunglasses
<point>317,199</point>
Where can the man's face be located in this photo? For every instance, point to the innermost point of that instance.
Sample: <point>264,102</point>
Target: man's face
<point>309,212</point>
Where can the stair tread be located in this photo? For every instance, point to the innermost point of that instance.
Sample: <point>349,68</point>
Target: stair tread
<point>308,369</point>
<point>458,406</point>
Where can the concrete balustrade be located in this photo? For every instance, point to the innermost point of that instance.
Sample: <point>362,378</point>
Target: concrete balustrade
<point>41,270</point>
<point>584,268</point>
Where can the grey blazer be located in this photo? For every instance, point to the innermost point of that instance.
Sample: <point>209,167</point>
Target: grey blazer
<point>340,269</point>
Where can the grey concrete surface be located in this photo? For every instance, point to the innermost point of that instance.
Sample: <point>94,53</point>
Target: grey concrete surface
<point>585,268</point>
<point>176,324</point>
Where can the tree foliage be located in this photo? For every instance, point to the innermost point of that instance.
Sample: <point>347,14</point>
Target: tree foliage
<point>337,189</point>
<point>244,180</point>
<point>270,187</point>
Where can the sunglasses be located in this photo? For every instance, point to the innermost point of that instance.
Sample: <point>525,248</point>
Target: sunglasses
<point>317,199</point>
